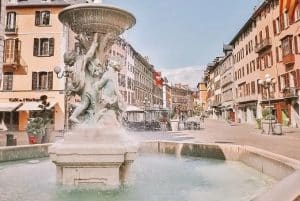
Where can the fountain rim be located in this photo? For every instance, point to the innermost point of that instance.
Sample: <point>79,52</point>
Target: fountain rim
<point>97,5</point>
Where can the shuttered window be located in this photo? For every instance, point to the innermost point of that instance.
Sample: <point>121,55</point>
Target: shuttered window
<point>8,81</point>
<point>42,18</point>
<point>42,80</point>
<point>43,47</point>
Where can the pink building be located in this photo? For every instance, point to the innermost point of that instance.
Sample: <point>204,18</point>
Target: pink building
<point>268,43</point>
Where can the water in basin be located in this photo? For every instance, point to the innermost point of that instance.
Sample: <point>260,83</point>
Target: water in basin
<point>153,178</point>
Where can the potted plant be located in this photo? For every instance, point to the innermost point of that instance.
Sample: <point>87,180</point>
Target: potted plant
<point>36,129</point>
<point>268,120</point>
<point>258,123</point>
<point>37,126</point>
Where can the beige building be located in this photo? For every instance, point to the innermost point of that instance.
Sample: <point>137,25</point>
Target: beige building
<point>202,94</point>
<point>2,24</point>
<point>35,41</point>
<point>227,84</point>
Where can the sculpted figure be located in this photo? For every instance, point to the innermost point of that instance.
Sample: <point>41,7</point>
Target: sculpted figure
<point>86,70</point>
<point>110,105</point>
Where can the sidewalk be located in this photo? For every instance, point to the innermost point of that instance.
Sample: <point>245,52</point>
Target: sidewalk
<point>287,144</point>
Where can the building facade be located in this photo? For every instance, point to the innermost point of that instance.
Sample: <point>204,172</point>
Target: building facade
<point>202,95</point>
<point>143,82</point>
<point>123,52</point>
<point>182,99</point>
<point>2,25</point>
<point>227,84</point>
<point>267,44</point>
<point>35,42</point>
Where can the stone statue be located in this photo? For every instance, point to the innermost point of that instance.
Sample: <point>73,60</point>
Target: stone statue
<point>86,71</point>
<point>110,105</point>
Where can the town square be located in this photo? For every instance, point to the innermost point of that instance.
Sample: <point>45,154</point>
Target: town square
<point>149,100</point>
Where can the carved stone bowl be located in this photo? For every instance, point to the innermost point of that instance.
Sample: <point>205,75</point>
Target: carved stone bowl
<point>96,18</point>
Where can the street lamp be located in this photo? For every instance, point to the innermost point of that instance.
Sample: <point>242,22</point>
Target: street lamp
<point>64,74</point>
<point>267,83</point>
<point>146,103</point>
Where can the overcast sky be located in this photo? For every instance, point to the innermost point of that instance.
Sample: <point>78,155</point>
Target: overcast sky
<point>184,34</point>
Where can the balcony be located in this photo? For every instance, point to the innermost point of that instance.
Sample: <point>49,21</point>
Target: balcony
<point>288,59</point>
<point>11,30</point>
<point>265,44</point>
<point>228,79</point>
<point>247,98</point>
<point>265,97</point>
<point>290,92</point>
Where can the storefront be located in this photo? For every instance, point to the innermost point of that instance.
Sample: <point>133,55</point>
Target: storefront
<point>246,112</point>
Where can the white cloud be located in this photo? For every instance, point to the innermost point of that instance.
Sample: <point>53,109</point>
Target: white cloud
<point>190,75</point>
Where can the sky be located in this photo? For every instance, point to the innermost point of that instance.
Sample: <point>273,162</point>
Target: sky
<point>181,36</point>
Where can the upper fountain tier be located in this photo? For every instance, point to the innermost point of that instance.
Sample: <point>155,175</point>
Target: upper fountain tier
<point>96,18</point>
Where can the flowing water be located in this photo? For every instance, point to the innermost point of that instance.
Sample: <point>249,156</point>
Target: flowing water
<point>153,178</point>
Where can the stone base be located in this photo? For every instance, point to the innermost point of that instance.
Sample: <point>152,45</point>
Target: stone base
<point>93,156</point>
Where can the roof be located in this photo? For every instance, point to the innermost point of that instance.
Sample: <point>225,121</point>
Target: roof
<point>250,20</point>
<point>38,3</point>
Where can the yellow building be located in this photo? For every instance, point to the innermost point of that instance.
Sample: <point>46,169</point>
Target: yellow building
<point>35,41</point>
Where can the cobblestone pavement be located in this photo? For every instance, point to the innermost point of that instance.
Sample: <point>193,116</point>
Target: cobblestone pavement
<point>214,131</point>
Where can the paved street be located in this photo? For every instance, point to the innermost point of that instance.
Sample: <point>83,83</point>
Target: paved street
<point>244,134</point>
<point>216,131</point>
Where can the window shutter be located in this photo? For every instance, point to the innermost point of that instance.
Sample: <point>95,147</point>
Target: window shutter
<point>274,27</point>
<point>34,80</point>
<point>36,47</point>
<point>279,84</point>
<point>281,21</point>
<point>16,48</point>
<point>37,18</point>
<point>297,83</point>
<point>271,58</point>
<point>277,54</point>
<point>296,44</point>
<point>287,80</point>
<point>50,80</point>
<point>51,46</point>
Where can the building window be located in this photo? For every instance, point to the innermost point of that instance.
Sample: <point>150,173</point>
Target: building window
<point>42,80</point>
<point>285,20</point>
<point>286,45</point>
<point>12,51</point>
<point>43,47</point>
<point>10,21</point>
<point>42,18</point>
<point>8,81</point>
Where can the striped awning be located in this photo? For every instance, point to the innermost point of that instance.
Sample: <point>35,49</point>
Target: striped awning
<point>9,107</point>
<point>34,106</point>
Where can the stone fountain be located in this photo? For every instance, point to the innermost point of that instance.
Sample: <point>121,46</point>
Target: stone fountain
<point>98,150</point>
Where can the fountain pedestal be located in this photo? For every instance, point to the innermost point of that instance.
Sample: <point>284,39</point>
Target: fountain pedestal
<point>91,156</point>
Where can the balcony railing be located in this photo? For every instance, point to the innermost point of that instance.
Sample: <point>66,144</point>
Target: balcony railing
<point>264,96</point>
<point>288,59</point>
<point>290,92</point>
<point>265,44</point>
<point>227,80</point>
<point>247,98</point>
<point>11,30</point>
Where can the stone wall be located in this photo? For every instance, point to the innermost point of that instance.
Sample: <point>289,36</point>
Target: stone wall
<point>23,152</point>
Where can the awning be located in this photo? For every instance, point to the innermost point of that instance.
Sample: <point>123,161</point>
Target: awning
<point>9,107</point>
<point>132,108</point>
<point>34,106</point>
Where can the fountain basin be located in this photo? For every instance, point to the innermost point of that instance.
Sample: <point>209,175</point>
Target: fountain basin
<point>96,18</point>
<point>155,177</point>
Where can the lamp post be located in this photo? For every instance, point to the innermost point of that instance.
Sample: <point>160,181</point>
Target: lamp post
<point>146,103</point>
<point>64,74</point>
<point>267,83</point>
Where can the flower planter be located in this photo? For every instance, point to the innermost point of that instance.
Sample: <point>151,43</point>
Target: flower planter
<point>265,124</point>
<point>34,139</point>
